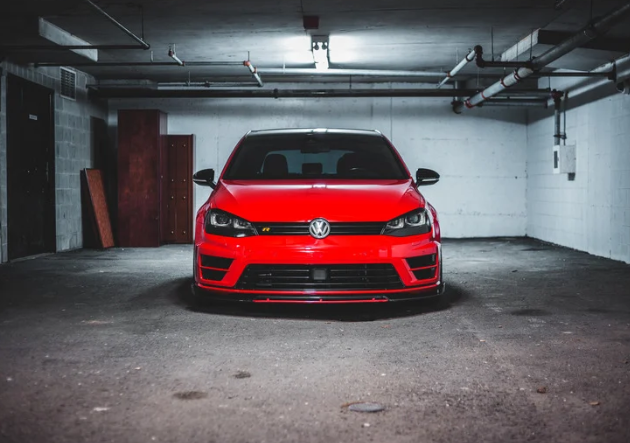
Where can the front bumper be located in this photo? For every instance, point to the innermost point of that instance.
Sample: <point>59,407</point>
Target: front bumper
<point>227,279</point>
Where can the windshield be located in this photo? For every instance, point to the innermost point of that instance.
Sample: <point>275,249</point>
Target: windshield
<point>317,156</point>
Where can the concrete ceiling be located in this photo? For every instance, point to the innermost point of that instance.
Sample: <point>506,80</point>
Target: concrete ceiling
<point>431,35</point>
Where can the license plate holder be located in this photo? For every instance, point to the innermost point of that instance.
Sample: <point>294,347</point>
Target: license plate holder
<point>319,274</point>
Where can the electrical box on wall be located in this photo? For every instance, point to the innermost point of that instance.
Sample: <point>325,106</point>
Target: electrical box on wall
<point>564,159</point>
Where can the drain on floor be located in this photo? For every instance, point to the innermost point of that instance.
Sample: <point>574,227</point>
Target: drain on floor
<point>242,374</point>
<point>190,395</point>
<point>364,407</point>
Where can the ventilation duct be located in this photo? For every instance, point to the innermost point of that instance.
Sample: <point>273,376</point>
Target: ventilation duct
<point>68,83</point>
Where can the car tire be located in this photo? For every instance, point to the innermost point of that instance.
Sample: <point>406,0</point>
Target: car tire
<point>443,300</point>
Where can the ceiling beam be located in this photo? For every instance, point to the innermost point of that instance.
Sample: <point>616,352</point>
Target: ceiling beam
<point>139,92</point>
<point>600,43</point>
<point>63,38</point>
<point>524,46</point>
<point>553,38</point>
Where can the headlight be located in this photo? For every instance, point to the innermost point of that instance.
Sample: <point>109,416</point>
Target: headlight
<point>223,223</point>
<point>413,223</point>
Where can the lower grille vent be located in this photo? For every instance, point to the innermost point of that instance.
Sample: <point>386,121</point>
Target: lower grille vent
<point>211,274</point>
<point>424,274</point>
<point>424,261</point>
<point>208,261</point>
<point>316,277</point>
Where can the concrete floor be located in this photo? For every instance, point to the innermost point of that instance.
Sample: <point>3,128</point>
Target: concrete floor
<point>109,347</point>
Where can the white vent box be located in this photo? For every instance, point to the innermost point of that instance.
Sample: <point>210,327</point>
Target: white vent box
<point>564,159</point>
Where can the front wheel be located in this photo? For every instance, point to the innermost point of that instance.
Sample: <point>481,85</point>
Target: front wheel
<point>443,300</point>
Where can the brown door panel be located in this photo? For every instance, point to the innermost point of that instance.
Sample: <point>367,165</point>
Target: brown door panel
<point>140,190</point>
<point>177,214</point>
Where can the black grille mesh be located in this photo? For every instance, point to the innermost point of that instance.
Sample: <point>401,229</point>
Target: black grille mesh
<point>309,277</point>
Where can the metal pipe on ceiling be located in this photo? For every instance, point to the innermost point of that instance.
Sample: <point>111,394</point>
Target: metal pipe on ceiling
<point>206,84</point>
<point>254,72</point>
<point>516,103</point>
<point>610,74</point>
<point>450,74</point>
<point>542,93</point>
<point>138,92</point>
<point>16,48</point>
<point>123,64</point>
<point>559,136</point>
<point>171,54</point>
<point>586,34</point>
<point>141,42</point>
<point>618,71</point>
<point>351,72</point>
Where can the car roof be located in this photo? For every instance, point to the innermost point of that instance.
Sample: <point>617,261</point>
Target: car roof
<point>288,131</point>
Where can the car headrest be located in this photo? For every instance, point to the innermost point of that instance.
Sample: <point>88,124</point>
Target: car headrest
<point>275,165</point>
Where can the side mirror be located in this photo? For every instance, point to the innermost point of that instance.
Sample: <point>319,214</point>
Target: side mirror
<point>205,177</point>
<point>426,177</point>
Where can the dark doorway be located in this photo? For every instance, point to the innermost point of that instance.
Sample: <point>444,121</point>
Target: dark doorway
<point>177,196</point>
<point>99,144</point>
<point>30,169</point>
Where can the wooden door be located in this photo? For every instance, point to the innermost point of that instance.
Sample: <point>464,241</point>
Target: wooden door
<point>177,205</point>
<point>140,137</point>
<point>30,169</point>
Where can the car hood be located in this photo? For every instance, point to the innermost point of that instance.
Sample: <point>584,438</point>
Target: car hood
<point>339,201</point>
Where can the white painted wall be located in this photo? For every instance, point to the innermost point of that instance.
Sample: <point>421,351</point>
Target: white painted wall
<point>481,155</point>
<point>591,213</point>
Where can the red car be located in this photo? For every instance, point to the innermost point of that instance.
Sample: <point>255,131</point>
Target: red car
<point>317,216</point>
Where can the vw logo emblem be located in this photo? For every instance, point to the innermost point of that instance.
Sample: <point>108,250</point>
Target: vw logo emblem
<point>319,228</point>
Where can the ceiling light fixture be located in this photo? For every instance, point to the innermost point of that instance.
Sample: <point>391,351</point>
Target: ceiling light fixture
<point>319,46</point>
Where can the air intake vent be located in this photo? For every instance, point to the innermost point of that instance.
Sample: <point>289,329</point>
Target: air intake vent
<point>68,83</point>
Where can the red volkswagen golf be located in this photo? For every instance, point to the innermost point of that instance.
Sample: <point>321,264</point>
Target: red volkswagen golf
<point>317,216</point>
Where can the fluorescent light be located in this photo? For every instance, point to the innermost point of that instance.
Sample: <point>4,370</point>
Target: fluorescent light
<point>319,46</point>
<point>320,56</point>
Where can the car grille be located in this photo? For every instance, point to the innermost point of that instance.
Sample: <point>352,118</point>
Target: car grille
<point>316,277</point>
<point>365,228</point>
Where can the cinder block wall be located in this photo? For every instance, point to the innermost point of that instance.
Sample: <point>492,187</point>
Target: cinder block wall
<point>480,154</point>
<point>73,150</point>
<point>592,212</point>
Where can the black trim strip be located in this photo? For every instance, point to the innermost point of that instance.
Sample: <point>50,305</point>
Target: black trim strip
<point>362,228</point>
